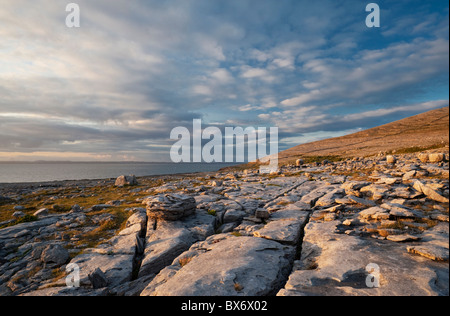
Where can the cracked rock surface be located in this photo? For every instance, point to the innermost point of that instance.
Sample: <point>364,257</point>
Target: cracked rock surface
<point>360,226</point>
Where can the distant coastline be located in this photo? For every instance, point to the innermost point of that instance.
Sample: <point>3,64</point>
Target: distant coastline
<point>46,171</point>
<point>81,162</point>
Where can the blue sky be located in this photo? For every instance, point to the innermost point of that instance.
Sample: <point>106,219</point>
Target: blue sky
<point>114,88</point>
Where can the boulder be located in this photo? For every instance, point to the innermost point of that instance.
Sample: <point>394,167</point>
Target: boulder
<point>435,158</point>
<point>262,214</point>
<point>55,254</point>
<point>170,207</point>
<point>423,157</point>
<point>126,180</point>
<point>98,279</point>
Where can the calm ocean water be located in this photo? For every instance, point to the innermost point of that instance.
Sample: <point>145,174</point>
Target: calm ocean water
<point>41,172</point>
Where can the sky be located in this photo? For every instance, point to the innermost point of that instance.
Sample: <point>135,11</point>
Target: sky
<point>114,88</point>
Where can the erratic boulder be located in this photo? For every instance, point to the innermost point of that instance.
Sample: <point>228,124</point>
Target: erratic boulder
<point>170,207</point>
<point>126,180</point>
<point>435,158</point>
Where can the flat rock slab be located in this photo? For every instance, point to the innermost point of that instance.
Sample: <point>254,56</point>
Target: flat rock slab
<point>164,245</point>
<point>429,192</point>
<point>117,268</point>
<point>234,266</point>
<point>286,231</point>
<point>431,251</point>
<point>167,240</point>
<point>375,213</point>
<point>403,238</point>
<point>335,264</point>
<point>434,245</point>
<point>398,210</point>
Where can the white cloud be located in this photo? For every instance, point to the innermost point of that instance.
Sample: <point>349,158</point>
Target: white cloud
<point>202,90</point>
<point>302,98</point>
<point>222,76</point>
<point>257,73</point>
<point>130,73</point>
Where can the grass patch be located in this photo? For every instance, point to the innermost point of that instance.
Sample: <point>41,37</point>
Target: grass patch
<point>25,219</point>
<point>106,230</point>
<point>415,149</point>
<point>238,287</point>
<point>185,261</point>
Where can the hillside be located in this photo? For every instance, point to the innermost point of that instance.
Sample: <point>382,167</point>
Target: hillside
<point>423,131</point>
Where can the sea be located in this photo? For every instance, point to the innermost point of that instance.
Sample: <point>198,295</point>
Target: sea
<point>59,171</point>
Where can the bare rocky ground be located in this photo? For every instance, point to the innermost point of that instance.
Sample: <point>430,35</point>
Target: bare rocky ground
<point>363,226</point>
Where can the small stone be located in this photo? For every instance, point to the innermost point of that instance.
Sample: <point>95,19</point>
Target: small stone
<point>329,217</point>
<point>349,222</point>
<point>262,214</point>
<point>41,212</point>
<point>98,279</point>
<point>299,162</point>
<point>76,208</point>
<point>391,159</point>
<point>18,214</point>
<point>100,207</point>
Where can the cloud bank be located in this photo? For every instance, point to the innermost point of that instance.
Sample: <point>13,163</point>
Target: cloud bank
<point>114,88</point>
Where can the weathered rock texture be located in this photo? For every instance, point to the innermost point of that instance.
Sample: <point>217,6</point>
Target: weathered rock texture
<point>361,226</point>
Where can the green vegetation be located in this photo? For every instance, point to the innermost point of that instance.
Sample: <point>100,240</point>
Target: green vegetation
<point>25,219</point>
<point>415,149</point>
